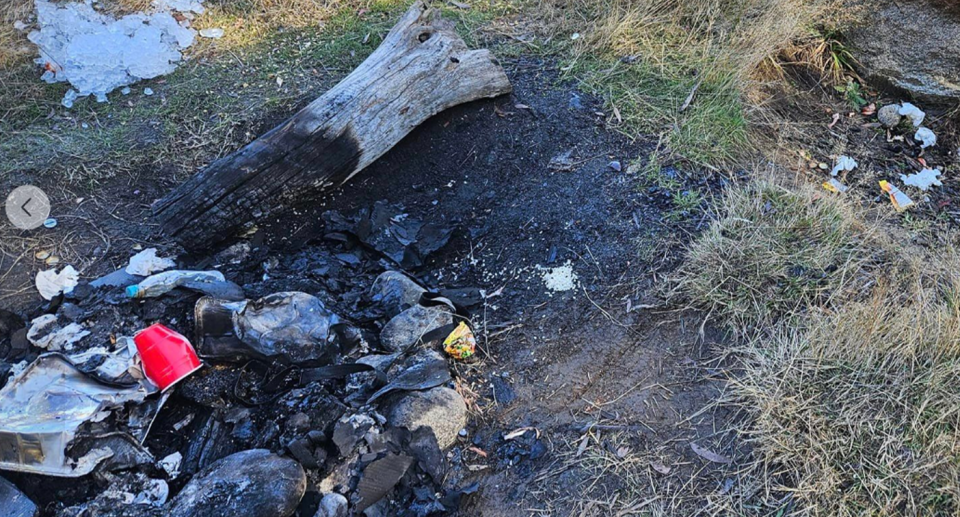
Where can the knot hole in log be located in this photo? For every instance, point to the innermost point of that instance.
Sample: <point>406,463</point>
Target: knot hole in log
<point>424,36</point>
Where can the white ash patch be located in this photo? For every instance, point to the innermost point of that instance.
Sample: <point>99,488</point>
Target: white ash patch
<point>560,278</point>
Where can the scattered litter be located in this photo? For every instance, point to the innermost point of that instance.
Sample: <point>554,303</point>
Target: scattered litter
<point>516,433</point>
<point>460,344</point>
<point>211,283</point>
<point>834,185</point>
<point>926,137</point>
<point>148,91</point>
<point>912,112</point>
<point>171,464</point>
<point>45,332</point>
<point>212,33</point>
<point>51,284</point>
<point>289,326</point>
<point>869,109</point>
<point>125,90</point>
<point>560,278</point>
<point>844,164</point>
<point>50,223</point>
<point>97,53</point>
<point>899,200</point>
<point>924,179</point>
<point>167,356</point>
<point>147,263</point>
<point>405,240</point>
<point>836,118</point>
<point>429,370</point>
<point>19,25</point>
<point>43,408</point>
<point>709,455</point>
<point>42,255</point>
<point>380,477</point>
<point>615,165</point>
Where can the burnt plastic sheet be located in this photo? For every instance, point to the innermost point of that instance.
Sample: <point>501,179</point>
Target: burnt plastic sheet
<point>44,410</point>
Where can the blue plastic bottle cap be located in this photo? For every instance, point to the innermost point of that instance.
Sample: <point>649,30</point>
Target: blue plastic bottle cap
<point>132,291</point>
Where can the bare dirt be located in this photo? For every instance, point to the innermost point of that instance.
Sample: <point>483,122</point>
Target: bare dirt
<point>614,383</point>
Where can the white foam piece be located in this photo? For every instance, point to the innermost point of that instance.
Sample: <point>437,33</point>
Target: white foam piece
<point>97,53</point>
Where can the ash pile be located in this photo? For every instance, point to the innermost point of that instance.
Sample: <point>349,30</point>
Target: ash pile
<point>314,383</point>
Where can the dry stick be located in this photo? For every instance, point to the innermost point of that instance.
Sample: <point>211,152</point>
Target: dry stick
<point>693,92</point>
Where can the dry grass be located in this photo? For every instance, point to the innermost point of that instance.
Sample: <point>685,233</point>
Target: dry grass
<point>776,250</point>
<point>681,69</point>
<point>859,413</point>
<point>851,372</point>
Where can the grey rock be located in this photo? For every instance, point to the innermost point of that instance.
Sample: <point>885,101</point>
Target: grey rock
<point>332,505</point>
<point>253,483</point>
<point>410,325</point>
<point>910,46</point>
<point>13,502</point>
<point>441,409</point>
<point>889,115</point>
<point>395,292</point>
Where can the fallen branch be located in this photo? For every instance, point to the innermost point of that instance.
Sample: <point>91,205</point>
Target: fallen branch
<point>421,68</point>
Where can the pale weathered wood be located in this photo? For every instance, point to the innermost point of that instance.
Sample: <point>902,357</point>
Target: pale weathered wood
<point>420,69</point>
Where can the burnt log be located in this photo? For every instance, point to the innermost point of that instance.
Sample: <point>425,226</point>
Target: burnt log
<point>421,68</point>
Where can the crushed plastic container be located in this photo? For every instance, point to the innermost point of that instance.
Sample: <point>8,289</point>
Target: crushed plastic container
<point>167,356</point>
<point>210,283</point>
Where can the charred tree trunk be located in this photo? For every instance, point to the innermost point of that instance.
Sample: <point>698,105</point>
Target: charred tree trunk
<point>420,69</point>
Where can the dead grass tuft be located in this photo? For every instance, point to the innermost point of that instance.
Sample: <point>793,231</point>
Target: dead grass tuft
<point>775,251</point>
<point>858,413</point>
<point>851,374</point>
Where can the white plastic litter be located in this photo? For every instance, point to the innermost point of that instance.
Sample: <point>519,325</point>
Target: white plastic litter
<point>19,25</point>
<point>45,332</point>
<point>147,263</point>
<point>212,33</point>
<point>924,179</point>
<point>50,283</point>
<point>844,163</point>
<point>148,91</point>
<point>97,53</point>
<point>171,464</point>
<point>913,113</point>
<point>926,138</point>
